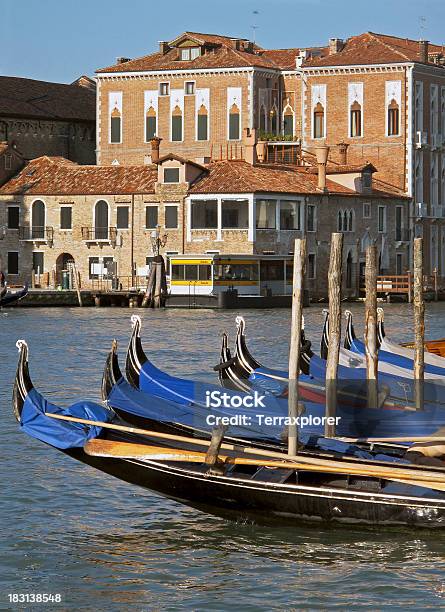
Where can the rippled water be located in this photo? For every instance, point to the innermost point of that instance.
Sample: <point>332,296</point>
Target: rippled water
<point>105,545</point>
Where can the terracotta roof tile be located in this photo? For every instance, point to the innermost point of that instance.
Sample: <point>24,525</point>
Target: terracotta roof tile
<point>240,177</point>
<point>42,100</point>
<point>59,176</point>
<point>371,48</point>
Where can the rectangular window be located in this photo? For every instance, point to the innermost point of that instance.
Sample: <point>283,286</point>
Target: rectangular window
<point>176,128</point>
<point>289,215</point>
<point>319,124</point>
<point>13,217</point>
<point>8,162</point>
<point>234,126</point>
<point>168,259</point>
<point>151,217</point>
<point>382,218</point>
<point>311,220</point>
<point>13,262</point>
<point>204,214</point>
<point>266,214</point>
<point>195,52</point>
<point>37,262</point>
<point>235,214</point>
<point>271,270</point>
<point>366,210</point>
<point>311,271</point>
<point>164,89</point>
<point>150,127</point>
<point>229,271</point>
<point>171,175</point>
<point>66,221</point>
<point>122,217</point>
<point>171,217</point>
<point>399,264</point>
<point>203,127</point>
<point>189,88</point>
<point>399,223</point>
<point>115,130</point>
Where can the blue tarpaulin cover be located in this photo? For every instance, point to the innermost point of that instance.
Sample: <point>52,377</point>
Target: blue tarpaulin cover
<point>61,434</point>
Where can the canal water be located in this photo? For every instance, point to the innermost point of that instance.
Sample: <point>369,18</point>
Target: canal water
<point>106,545</point>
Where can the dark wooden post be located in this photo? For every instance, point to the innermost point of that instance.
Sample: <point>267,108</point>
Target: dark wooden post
<point>419,323</point>
<point>295,339</point>
<point>371,325</point>
<point>334,288</point>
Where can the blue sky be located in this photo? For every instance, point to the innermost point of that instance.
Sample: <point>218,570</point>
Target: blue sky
<point>57,40</point>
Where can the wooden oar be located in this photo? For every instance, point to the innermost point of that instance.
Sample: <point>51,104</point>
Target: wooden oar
<point>312,461</point>
<point>127,450</point>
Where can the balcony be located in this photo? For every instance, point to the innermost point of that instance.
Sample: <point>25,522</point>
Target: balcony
<point>279,149</point>
<point>36,234</point>
<point>99,235</point>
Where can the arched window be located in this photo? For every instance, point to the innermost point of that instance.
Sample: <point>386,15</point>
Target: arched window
<point>355,120</point>
<point>101,220</point>
<point>176,130</point>
<point>273,120</point>
<point>345,221</point>
<point>234,123</point>
<point>393,118</point>
<point>115,126</point>
<point>203,123</point>
<point>150,124</point>
<point>350,220</point>
<point>263,119</point>
<point>318,121</point>
<point>38,220</point>
<point>340,221</point>
<point>288,121</point>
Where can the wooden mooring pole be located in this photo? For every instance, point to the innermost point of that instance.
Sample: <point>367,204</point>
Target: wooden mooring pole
<point>419,323</point>
<point>295,339</point>
<point>334,288</point>
<point>371,325</point>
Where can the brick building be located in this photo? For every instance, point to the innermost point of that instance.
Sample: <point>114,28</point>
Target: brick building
<point>40,118</point>
<point>103,217</point>
<point>372,98</point>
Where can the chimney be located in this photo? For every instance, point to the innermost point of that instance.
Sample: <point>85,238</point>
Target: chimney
<point>335,45</point>
<point>423,51</point>
<point>322,153</point>
<point>343,152</point>
<point>122,60</point>
<point>155,144</point>
<point>163,47</point>
<point>250,149</point>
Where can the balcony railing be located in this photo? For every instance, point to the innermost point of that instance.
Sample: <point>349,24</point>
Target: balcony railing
<point>99,234</point>
<point>36,233</point>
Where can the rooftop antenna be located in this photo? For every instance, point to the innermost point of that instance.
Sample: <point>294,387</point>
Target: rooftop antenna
<point>422,27</point>
<point>254,26</point>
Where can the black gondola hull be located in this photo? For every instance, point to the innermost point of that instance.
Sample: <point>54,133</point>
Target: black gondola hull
<point>246,498</point>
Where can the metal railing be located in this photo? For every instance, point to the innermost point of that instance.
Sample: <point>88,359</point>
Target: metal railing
<point>91,234</point>
<point>403,283</point>
<point>119,283</point>
<point>43,233</point>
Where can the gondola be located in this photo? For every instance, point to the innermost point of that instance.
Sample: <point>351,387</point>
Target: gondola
<point>389,353</point>
<point>398,381</point>
<point>355,416</point>
<point>11,297</point>
<point>244,489</point>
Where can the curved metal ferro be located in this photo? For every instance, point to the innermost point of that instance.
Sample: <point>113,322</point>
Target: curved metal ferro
<point>135,353</point>
<point>22,383</point>
<point>247,361</point>
<point>230,372</point>
<point>380,326</point>
<point>112,372</point>
<point>350,333</point>
<point>324,343</point>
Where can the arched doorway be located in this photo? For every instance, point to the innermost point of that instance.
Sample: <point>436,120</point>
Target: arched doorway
<point>62,263</point>
<point>38,220</point>
<point>101,220</point>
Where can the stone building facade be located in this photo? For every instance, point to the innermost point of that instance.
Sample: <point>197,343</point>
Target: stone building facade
<point>371,98</point>
<point>40,118</point>
<point>103,217</point>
